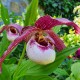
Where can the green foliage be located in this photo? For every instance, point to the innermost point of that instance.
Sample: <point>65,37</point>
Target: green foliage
<point>5,15</point>
<point>32,13</point>
<point>4,43</point>
<point>71,39</point>
<point>5,73</point>
<point>57,29</point>
<point>30,77</point>
<point>60,72</point>
<point>30,68</point>
<point>59,7</point>
<point>75,69</point>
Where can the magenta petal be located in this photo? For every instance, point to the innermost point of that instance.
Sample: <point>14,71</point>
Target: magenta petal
<point>59,44</point>
<point>45,22</point>
<point>61,21</point>
<point>31,33</point>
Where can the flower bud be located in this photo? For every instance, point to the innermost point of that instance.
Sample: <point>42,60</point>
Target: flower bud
<point>77,55</point>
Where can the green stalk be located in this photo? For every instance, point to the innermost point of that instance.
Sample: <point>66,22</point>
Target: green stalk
<point>21,58</point>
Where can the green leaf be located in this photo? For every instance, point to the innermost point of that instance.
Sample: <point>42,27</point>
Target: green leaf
<point>32,13</point>
<point>5,15</point>
<point>31,77</point>
<point>57,29</point>
<point>4,43</point>
<point>11,60</point>
<point>55,5</point>
<point>75,68</point>
<point>55,79</point>
<point>11,68</point>
<point>60,72</point>
<point>5,73</point>
<point>30,68</point>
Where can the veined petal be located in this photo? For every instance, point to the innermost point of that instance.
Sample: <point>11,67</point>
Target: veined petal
<point>59,44</point>
<point>47,22</point>
<point>29,36</point>
<point>39,53</point>
<point>67,22</point>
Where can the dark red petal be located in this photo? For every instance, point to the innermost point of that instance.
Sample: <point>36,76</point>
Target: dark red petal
<point>67,22</point>
<point>26,28</point>
<point>32,33</point>
<point>47,22</point>
<point>59,44</point>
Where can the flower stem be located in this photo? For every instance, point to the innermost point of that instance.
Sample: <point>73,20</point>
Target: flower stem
<point>23,52</point>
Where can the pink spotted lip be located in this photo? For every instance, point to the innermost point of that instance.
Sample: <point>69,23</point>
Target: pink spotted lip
<point>39,53</point>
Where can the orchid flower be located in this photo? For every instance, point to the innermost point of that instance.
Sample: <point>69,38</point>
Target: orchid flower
<point>42,42</point>
<point>13,31</point>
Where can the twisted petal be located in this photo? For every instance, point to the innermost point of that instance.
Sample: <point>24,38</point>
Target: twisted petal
<point>47,22</point>
<point>57,41</point>
<point>3,28</point>
<point>68,23</point>
<point>29,36</point>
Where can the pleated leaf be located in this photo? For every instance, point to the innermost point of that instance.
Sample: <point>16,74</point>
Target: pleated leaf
<point>5,15</point>
<point>32,13</point>
<point>4,43</point>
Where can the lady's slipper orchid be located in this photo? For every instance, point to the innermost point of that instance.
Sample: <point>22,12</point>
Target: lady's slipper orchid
<point>42,42</point>
<point>13,31</point>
